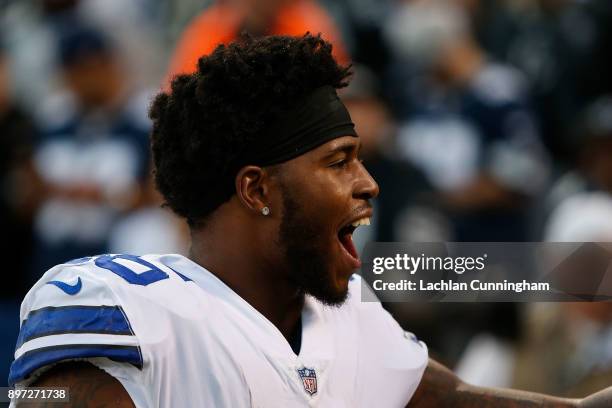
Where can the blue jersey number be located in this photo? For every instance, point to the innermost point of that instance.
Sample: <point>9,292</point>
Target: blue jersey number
<point>145,278</point>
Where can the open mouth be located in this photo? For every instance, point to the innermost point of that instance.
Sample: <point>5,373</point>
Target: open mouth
<point>345,236</point>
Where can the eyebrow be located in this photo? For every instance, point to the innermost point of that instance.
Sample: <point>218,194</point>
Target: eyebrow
<point>345,147</point>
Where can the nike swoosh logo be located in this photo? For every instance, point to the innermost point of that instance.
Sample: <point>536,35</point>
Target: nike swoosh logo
<point>69,289</point>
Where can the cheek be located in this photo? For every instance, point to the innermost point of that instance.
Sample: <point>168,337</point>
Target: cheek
<point>323,195</point>
<point>327,202</point>
<point>330,186</point>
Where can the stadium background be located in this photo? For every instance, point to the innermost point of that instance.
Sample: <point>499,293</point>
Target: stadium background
<point>482,120</point>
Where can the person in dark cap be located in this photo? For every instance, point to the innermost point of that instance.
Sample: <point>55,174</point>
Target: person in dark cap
<point>93,153</point>
<point>90,66</point>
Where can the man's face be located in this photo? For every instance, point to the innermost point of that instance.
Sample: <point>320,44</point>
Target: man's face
<point>325,193</point>
<point>95,80</point>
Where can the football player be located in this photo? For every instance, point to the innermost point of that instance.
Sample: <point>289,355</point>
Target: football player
<point>258,154</point>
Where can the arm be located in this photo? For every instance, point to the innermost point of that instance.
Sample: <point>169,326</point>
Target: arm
<point>441,388</point>
<point>600,399</point>
<point>88,387</point>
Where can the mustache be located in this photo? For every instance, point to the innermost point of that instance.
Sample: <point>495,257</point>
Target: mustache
<point>361,208</point>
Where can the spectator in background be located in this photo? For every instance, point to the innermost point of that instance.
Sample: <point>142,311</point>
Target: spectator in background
<point>568,347</point>
<point>19,189</point>
<point>94,151</point>
<point>563,47</point>
<point>581,199</point>
<point>226,20</point>
<point>467,124</point>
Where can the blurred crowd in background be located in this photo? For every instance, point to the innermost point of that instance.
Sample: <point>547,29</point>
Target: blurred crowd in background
<point>481,120</point>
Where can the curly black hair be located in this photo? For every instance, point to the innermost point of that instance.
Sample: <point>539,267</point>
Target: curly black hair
<point>202,125</point>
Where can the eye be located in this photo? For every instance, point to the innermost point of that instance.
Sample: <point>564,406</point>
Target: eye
<point>339,164</point>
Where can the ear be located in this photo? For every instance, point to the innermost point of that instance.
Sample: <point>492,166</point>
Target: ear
<point>253,188</point>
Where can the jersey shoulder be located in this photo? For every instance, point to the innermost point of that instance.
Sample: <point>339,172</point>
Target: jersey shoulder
<point>82,309</point>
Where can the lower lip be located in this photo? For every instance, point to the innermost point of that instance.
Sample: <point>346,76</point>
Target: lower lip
<point>355,262</point>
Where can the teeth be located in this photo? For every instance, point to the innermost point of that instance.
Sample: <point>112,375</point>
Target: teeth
<point>362,221</point>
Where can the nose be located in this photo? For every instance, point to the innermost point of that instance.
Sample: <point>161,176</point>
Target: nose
<point>366,187</point>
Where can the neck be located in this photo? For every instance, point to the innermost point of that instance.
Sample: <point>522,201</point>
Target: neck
<point>240,264</point>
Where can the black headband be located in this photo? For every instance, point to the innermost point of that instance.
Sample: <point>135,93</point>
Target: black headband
<point>317,119</point>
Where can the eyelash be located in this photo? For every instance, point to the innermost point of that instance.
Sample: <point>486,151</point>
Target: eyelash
<point>344,162</point>
<point>340,163</point>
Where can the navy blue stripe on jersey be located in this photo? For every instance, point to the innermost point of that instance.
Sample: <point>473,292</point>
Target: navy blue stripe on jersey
<point>74,319</point>
<point>183,277</point>
<point>35,359</point>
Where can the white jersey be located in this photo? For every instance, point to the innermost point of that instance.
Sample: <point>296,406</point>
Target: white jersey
<point>175,335</point>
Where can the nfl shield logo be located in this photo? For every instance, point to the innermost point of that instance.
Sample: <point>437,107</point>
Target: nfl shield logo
<point>309,379</point>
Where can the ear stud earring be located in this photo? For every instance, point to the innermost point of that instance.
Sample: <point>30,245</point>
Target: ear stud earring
<point>265,211</point>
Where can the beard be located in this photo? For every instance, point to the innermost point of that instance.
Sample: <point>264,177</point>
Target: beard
<point>305,252</point>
